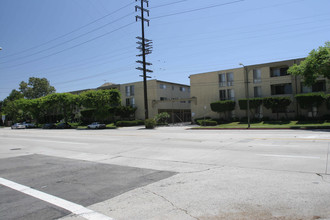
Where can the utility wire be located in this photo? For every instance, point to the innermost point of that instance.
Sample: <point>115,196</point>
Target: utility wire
<point>197,9</point>
<point>72,39</point>
<point>64,35</point>
<point>72,47</point>
<point>172,3</point>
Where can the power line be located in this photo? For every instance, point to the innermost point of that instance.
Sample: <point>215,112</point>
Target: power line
<point>197,9</point>
<point>64,35</point>
<point>72,47</point>
<point>172,3</point>
<point>72,39</point>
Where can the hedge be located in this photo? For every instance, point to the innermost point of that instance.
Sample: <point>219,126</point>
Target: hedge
<point>129,123</point>
<point>207,122</point>
<point>309,100</point>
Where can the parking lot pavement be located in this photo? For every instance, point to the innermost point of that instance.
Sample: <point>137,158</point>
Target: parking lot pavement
<point>80,182</point>
<point>227,174</point>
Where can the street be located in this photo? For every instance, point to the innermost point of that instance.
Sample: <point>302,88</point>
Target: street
<point>166,173</point>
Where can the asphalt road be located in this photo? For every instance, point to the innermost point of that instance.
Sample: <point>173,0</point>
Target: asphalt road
<point>167,173</point>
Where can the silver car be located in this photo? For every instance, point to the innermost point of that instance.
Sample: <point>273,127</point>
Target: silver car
<point>95,125</point>
<point>18,126</point>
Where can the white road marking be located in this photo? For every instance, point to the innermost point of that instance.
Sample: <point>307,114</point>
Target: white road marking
<point>288,156</point>
<point>64,204</point>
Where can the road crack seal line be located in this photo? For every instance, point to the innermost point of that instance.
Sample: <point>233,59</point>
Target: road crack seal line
<point>172,204</point>
<point>322,177</point>
<point>205,170</point>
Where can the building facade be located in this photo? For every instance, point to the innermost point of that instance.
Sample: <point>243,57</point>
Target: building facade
<point>163,96</point>
<point>262,80</point>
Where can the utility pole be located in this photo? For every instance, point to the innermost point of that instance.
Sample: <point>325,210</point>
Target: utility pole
<point>247,93</point>
<point>145,46</point>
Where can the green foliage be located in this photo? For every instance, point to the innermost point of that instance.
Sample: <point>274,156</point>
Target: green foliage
<point>150,123</point>
<point>207,123</point>
<point>162,118</point>
<point>276,103</point>
<point>111,126</point>
<point>36,88</point>
<point>129,123</point>
<point>327,101</point>
<point>309,100</point>
<point>254,103</point>
<point>100,100</point>
<point>223,106</point>
<point>60,104</point>
<point>316,64</point>
<point>124,111</point>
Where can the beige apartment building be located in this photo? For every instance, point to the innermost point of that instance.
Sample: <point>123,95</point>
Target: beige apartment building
<point>163,96</point>
<point>264,80</point>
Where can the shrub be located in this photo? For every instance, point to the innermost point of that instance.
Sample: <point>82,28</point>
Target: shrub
<point>126,123</point>
<point>254,103</point>
<point>162,118</point>
<point>111,126</point>
<point>207,123</point>
<point>150,123</point>
<point>327,101</point>
<point>277,104</point>
<point>223,106</point>
<point>310,100</point>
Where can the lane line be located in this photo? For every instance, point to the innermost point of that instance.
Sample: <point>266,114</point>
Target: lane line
<point>288,156</point>
<point>64,204</point>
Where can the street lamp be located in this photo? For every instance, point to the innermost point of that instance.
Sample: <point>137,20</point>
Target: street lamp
<point>247,93</point>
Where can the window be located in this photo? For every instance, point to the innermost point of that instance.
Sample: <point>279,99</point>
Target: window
<point>130,102</point>
<point>281,89</point>
<point>172,87</point>
<point>129,90</point>
<point>222,94</point>
<point>231,94</point>
<point>257,76</point>
<point>230,79</point>
<point>257,91</point>
<point>162,86</point>
<point>182,101</point>
<point>163,98</point>
<point>228,94</point>
<point>319,86</point>
<point>226,79</point>
<point>275,72</point>
<point>182,89</point>
<point>222,79</point>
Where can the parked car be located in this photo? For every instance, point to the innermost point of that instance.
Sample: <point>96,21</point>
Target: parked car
<point>18,126</point>
<point>29,125</point>
<point>63,126</point>
<point>49,126</point>
<point>96,125</point>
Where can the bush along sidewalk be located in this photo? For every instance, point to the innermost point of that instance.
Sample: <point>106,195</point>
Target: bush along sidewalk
<point>150,123</point>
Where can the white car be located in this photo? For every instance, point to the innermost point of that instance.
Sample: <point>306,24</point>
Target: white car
<point>95,125</point>
<point>18,126</point>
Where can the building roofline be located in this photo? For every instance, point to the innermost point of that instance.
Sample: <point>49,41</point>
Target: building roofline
<point>252,65</point>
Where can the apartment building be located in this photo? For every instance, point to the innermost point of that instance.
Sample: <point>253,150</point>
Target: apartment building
<point>261,80</point>
<point>163,96</point>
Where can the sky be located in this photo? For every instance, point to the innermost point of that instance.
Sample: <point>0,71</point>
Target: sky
<point>81,44</point>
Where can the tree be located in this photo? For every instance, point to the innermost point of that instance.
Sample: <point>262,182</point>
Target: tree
<point>101,101</point>
<point>223,106</point>
<point>62,104</point>
<point>277,104</point>
<point>254,104</point>
<point>310,100</point>
<point>316,64</point>
<point>36,88</point>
